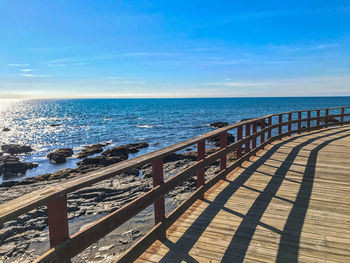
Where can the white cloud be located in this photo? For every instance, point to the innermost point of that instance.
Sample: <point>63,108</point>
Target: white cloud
<point>56,65</point>
<point>138,54</point>
<point>128,82</point>
<point>27,70</point>
<point>231,84</point>
<point>294,48</point>
<point>18,65</point>
<point>34,76</point>
<point>156,54</point>
<point>252,61</point>
<point>326,46</point>
<point>303,84</point>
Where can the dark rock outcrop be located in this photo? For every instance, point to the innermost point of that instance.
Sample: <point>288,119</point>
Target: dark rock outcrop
<point>100,161</point>
<point>60,155</point>
<point>135,147</point>
<point>92,149</point>
<point>258,123</point>
<point>216,140</point>
<point>124,150</point>
<point>328,119</point>
<point>6,129</point>
<point>11,165</point>
<point>16,148</point>
<point>218,124</point>
<point>173,157</point>
<point>121,152</point>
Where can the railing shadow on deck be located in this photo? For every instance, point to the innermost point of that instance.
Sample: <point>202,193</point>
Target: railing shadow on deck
<point>290,235</point>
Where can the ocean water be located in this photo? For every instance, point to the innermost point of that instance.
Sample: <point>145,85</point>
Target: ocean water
<point>159,122</point>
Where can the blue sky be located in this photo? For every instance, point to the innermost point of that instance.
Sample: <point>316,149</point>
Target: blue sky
<point>66,49</point>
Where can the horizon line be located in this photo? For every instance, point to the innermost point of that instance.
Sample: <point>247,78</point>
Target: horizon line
<point>219,97</point>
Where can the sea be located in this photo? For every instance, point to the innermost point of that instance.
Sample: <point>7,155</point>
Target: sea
<point>47,125</point>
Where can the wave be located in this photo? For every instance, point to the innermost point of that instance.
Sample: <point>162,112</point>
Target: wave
<point>144,126</point>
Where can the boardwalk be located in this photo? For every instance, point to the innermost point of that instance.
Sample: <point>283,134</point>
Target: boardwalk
<point>289,203</point>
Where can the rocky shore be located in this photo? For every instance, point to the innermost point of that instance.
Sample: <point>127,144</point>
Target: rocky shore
<point>24,239</point>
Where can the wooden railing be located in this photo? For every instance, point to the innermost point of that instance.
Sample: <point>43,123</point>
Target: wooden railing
<point>258,133</point>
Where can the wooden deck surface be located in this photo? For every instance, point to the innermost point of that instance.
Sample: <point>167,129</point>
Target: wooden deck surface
<point>290,203</point>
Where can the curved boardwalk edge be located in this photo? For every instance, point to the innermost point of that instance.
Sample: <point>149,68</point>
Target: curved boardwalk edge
<point>288,203</point>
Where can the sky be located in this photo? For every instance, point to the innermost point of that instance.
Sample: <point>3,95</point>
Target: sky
<point>122,49</point>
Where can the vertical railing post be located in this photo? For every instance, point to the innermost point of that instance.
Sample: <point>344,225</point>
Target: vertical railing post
<point>326,120</point>
<point>200,156</point>
<point>158,178</point>
<point>289,120</point>
<point>270,130</point>
<point>262,136</point>
<point>223,144</point>
<point>247,133</point>
<point>280,127</point>
<point>57,220</point>
<point>318,119</point>
<point>255,127</point>
<point>342,115</point>
<point>308,119</point>
<point>239,137</point>
<point>299,122</point>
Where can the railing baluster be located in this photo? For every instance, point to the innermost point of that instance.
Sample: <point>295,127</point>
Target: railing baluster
<point>290,119</point>
<point>262,137</point>
<point>223,144</point>
<point>270,130</point>
<point>255,127</point>
<point>318,115</point>
<point>299,122</point>
<point>342,115</point>
<point>239,137</point>
<point>326,120</point>
<point>57,220</point>
<point>200,156</point>
<point>158,178</point>
<point>247,133</point>
<point>280,127</point>
<point>309,121</point>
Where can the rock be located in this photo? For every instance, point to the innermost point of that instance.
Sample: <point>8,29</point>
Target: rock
<point>131,232</point>
<point>123,241</point>
<point>123,151</point>
<point>11,165</point>
<point>91,150</point>
<point>8,184</point>
<point>105,248</point>
<point>16,148</point>
<point>7,248</point>
<point>329,119</point>
<point>55,125</point>
<point>60,155</point>
<point>119,151</point>
<point>257,123</point>
<point>135,147</point>
<point>6,129</point>
<point>218,124</point>
<point>173,157</point>
<point>100,161</point>
<point>216,140</point>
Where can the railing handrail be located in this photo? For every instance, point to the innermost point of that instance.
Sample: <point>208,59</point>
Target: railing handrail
<point>11,209</point>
